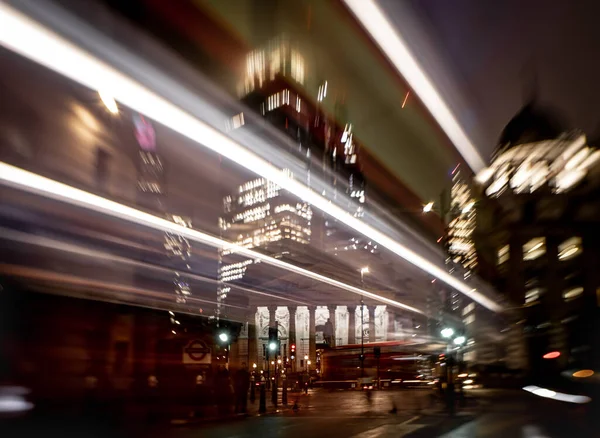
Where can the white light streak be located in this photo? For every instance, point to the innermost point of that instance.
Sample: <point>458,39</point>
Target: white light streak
<point>109,102</point>
<point>547,393</point>
<point>33,183</point>
<point>23,35</point>
<point>397,51</point>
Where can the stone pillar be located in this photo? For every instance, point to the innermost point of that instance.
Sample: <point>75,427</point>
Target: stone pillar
<point>292,335</point>
<point>312,346</point>
<point>391,328</point>
<point>351,324</point>
<point>272,318</point>
<point>371,310</point>
<point>332,317</point>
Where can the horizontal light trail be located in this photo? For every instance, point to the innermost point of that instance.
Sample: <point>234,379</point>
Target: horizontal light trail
<point>33,183</point>
<point>30,39</point>
<point>397,51</point>
<point>46,242</point>
<point>75,281</point>
<point>560,396</point>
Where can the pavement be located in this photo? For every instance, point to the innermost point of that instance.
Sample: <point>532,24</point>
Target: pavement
<point>329,414</point>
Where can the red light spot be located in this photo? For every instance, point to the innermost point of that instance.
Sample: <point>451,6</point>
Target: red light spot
<point>551,355</point>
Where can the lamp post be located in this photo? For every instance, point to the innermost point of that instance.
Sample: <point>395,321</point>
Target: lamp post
<point>363,271</point>
<point>224,339</point>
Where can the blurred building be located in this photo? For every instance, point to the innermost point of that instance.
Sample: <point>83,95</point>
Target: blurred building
<point>538,218</point>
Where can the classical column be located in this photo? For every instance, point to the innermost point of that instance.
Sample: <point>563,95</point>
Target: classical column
<point>332,318</point>
<point>351,324</point>
<point>371,310</point>
<point>391,328</point>
<point>292,339</point>
<point>272,319</point>
<point>312,346</point>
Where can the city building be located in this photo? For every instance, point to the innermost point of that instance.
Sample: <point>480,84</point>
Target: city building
<point>537,223</point>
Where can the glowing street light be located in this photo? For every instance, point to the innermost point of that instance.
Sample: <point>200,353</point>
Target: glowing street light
<point>272,346</point>
<point>223,337</point>
<point>254,365</point>
<point>428,207</point>
<point>447,332</point>
<point>459,340</point>
<point>109,102</point>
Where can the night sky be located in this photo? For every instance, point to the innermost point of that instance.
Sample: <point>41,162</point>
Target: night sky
<point>494,48</point>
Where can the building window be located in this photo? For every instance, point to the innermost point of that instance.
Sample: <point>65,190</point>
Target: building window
<point>534,249</point>
<point>572,293</point>
<point>468,308</point>
<point>236,122</point>
<point>503,254</point>
<point>532,296</point>
<point>569,249</point>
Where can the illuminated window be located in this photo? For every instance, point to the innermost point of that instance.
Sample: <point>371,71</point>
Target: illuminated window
<point>503,254</point>
<point>533,295</point>
<point>469,319</point>
<point>571,294</point>
<point>534,249</point>
<point>569,248</point>
<point>236,121</point>
<point>469,308</point>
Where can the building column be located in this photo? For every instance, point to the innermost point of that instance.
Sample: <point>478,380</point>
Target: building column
<point>252,340</point>
<point>272,318</point>
<point>332,317</point>
<point>292,334</point>
<point>371,310</point>
<point>351,324</point>
<point>312,346</point>
<point>391,328</point>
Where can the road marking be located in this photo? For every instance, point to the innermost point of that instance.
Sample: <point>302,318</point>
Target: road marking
<point>416,417</point>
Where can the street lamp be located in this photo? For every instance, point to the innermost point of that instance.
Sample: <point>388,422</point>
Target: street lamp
<point>447,332</point>
<point>223,337</point>
<point>459,340</point>
<point>272,346</point>
<point>364,270</point>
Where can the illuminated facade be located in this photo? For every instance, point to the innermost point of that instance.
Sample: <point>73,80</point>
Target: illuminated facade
<point>538,227</point>
<point>463,218</point>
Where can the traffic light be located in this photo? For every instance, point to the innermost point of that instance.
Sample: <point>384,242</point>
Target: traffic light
<point>293,351</point>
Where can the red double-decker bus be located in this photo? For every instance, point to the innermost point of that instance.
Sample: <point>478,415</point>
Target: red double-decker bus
<point>396,361</point>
